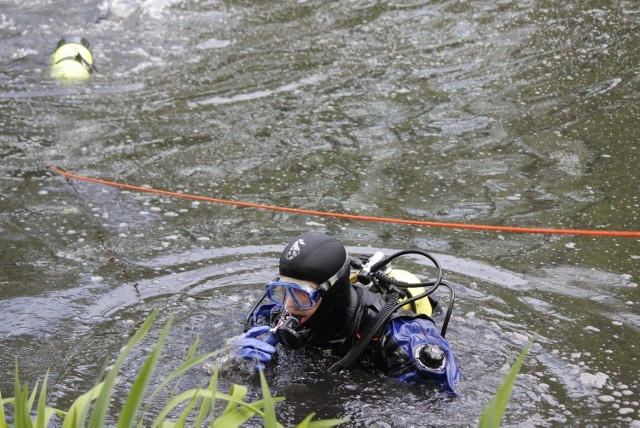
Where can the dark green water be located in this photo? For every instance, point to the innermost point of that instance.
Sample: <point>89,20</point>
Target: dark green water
<point>489,112</point>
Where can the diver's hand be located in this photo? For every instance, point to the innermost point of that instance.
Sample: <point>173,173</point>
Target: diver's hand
<point>256,349</point>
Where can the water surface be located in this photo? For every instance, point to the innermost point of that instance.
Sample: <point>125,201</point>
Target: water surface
<point>520,113</point>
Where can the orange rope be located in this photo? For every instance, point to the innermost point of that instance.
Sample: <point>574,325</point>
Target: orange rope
<point>610,233</point>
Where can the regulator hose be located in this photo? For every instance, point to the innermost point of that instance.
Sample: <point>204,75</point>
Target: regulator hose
<point>452,299</point>
<point>412,299</point>
<point>376,267</point>
<point>247,320</point>
<point>358,348</point>
<point>429,287</point>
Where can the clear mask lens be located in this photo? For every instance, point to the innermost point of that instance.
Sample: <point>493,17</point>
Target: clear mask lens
<point>303,297</point>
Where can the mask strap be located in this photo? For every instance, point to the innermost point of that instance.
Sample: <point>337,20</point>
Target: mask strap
<point>325,286</point>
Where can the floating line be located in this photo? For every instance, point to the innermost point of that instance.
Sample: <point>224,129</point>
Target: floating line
<point>482,227</point>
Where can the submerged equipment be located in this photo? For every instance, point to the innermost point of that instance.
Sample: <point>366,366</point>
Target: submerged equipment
<point>72,59</point>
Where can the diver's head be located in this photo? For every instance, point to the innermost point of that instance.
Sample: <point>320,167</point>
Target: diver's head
<point>72,59</point>
<point>318,262</point>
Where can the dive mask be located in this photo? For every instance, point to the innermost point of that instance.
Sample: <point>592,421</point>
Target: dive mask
<point>302,295</point>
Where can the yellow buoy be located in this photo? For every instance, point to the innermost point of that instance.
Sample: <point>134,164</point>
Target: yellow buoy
<point>72,59</point>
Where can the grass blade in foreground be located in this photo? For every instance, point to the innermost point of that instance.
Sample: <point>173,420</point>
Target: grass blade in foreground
<point>77,413</point>
<point>324,423</point>
<point>44,414</point>
<point>96,400</point>
<point>270,420</point>
<point>21,411</point>
<point>492,414</point>
<point>188,364</point>
<point>139,387</point>
<point>99,413</point>
<point>3,422</point>
<point>209,402</point>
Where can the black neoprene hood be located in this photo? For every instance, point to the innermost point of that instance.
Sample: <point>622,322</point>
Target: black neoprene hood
<point>312,256</point>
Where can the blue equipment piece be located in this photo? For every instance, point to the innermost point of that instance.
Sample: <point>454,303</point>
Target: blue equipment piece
<point>429,352</point>
<point>258,350</point>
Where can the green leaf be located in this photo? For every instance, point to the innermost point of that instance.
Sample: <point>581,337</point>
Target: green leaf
<point>99,413</point>
<point>48,414</point>
<point>182,420</point>
<point>179,372</point>
<point>241,413</point>
<point>3,422</point>
<point>77,413</point>
<point>41,415</point>
<point>187,365</point>
<point>238,392</point>
<point>325,423</point>
<point>236,413</point>
<point>21,411</point>
<point>234,418</point>
<point>136,393</point>
<point>193,348</point>
<point>32,398</point>
<point>188,395</point>
<point>175,401</point>
<point>307,423</point>
<point>209,402</point>
<point>492,414</point>
<point>270,420</point>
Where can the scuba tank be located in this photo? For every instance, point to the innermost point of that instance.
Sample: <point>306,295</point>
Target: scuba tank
<point>422,306</point>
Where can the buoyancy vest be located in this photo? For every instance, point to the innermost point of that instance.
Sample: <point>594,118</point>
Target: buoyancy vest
<point>343,324</point>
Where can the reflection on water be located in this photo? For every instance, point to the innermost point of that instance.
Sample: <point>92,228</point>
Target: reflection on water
<point>507,113</point>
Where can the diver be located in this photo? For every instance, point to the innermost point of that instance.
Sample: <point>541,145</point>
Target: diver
<point>316,302</point>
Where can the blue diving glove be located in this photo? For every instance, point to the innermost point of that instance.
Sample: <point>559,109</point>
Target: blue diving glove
<point>258,350</point>
<point>429,352</point>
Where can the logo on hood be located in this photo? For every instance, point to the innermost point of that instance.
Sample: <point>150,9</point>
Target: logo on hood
<point>294,250</point>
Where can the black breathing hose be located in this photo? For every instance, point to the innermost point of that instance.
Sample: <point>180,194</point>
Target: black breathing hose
<point>387,260</point>
<point>247,319</point>
<point>358,348</point>
<point>452,299</point>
